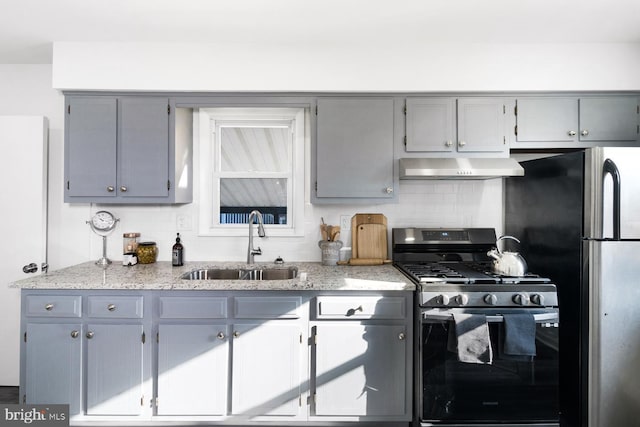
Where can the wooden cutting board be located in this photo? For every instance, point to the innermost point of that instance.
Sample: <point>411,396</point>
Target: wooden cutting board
<point>369,236</point>
<point>371,241</point>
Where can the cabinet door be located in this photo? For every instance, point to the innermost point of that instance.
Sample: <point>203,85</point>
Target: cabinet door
<point>143,156</point>
<point>609,119</point>
<point>431,124</point>
<point>53,364</point>
<point>354,147</point>
<point>360,370</point>
<point>114,369</point>
<point>267,371</point>
<point>481,125</point>
<point>547,119</point>
<point>193,370</point>
<point>90,147</point>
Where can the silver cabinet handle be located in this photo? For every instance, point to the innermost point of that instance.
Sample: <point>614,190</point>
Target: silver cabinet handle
<point>48,307</point>
<point>74,334</point>
<point>220,335</point>
<point>462,143</point>
<point>111,188</point>
<point>111,307</point>
<point>30,268</point>
<point>388,190</point>
<point>401,336</point>
<point>448,143</point>
<point>123,188</point>
<point>572,133</point>
<point>236,334</point>
<point>89,335</point>
<point>584,132</point>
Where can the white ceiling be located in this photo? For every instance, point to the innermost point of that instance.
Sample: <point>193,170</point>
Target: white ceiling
<point>29,27</point>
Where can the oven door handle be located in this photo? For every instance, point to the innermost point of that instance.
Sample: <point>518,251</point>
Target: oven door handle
<point>443,316</point>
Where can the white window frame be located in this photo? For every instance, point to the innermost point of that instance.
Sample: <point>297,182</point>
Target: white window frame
<point>209,119</point>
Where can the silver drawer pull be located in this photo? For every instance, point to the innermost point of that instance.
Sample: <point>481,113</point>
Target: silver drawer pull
<point>220,335</point>
<point>74,334</point>
<point>236,334</point>
<point>401,336</point>
<point>111,307</point>
<point>48,307</point>
<point>89,335</point>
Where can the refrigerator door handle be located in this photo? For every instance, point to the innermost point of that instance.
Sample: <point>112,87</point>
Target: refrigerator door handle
<point>609,167</point>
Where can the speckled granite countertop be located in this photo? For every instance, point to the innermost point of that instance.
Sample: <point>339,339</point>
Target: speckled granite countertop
<point>162,276</point>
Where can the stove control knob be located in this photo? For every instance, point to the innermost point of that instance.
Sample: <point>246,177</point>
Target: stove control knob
<point>461,299</point>
<point>490,299</point>
<point>521,298</point>
<point>442,299</point>
<point>537,299</point>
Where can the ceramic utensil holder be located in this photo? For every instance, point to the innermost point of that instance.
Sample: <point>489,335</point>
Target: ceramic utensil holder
<point>330,251</point>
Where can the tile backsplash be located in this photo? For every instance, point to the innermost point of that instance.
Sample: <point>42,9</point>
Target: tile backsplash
<point>424,203</point>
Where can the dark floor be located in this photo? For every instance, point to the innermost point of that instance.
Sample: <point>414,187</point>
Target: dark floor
<point>8,394</point>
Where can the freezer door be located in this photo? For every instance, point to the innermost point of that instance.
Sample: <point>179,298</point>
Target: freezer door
<point>598,192</point>
<point>613,272</point>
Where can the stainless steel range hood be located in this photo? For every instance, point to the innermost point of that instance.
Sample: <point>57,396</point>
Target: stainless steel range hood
<point>459,168</point>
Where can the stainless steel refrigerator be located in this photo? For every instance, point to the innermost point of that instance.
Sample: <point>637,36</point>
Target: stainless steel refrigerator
<point>578,218</point>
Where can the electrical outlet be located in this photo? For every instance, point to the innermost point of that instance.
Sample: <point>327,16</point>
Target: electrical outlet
<point>345,223</point>
<point>183,222</point>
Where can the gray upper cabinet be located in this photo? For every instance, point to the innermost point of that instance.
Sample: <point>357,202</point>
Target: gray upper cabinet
<point>561,122</point>
<point>127,150</point>
<point>447,127</point>
<point>354,149</point>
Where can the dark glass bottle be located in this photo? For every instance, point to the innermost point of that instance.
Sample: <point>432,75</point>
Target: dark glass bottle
<point>177,256</point>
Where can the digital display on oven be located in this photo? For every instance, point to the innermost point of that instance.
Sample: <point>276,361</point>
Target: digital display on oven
<point>445,235</point>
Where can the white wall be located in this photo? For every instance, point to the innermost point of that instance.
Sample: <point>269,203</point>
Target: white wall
<point>229,66</point>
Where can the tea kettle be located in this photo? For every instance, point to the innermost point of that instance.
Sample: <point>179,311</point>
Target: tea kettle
<point>507,263</point>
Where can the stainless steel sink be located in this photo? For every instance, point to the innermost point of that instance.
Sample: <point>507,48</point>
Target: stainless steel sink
<point>242,274</point>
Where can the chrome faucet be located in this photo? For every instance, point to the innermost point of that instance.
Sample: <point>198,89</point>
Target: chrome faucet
<point>251,251</point>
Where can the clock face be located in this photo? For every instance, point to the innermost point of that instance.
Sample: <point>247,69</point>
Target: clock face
<point>103,221</point>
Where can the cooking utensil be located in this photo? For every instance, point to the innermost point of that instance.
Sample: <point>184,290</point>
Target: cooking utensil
<point>508,263</point>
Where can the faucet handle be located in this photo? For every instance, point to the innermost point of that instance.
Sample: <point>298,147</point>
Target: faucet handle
<point>256,251</point>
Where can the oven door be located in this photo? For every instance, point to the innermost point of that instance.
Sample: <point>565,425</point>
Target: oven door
<point>507,392</point>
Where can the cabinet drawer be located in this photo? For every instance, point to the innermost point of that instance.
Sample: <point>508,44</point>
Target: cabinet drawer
<point>267,308</point>
<point>193,308</point>
<point>115,307</point>
<point>54,305</point>
<point>365,307</point>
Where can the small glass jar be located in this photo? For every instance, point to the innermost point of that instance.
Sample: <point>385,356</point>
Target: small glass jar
<point>130,243</point>
<point>147,252</point>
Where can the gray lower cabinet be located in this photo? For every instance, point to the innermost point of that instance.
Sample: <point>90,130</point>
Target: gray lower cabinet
<point>267,370</point>
<point>193,369</point>
<point>361,357</point>
<point>456,126</point>
<point>218,357</point>
<point>114,374</point>
<point>354,149</point>
<point>126,149</point>
<point>53,360</point>
<point>564,122</point>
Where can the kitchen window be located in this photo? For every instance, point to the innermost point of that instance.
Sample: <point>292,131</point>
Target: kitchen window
<point>251,158</point>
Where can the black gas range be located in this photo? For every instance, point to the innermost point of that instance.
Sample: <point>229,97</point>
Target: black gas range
<point>451,267</point>
<point>454,275</point>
